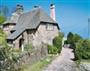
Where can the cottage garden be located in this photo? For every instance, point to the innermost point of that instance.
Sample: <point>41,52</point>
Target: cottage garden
<point>34,59</point>
<point>10,57</point>
<point>26,46</point>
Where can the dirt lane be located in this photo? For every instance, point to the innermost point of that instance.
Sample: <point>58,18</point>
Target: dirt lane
<point>63,62</point>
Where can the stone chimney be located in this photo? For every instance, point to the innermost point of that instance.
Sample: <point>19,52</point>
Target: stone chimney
<point>52,11</point>
<point>19,9</point>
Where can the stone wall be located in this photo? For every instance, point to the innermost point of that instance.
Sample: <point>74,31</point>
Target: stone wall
<point>8,28</point>
<point>38,53</point>
<point>16,42</point>
<point>44,35</point>
<point>36,37</point>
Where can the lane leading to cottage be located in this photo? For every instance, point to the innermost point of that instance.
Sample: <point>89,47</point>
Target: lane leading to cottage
<point>63,62</point>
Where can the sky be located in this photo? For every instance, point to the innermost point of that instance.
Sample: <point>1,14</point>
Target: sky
<point>71,15</point>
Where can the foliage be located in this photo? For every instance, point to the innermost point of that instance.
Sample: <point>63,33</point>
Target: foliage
<point>81,46</point>
<point>72,39</point>
<point>57,42</point>
<point>7,59</point>
<point>65,42</point>
<point>2,37</point>
<point>76,38</point>
<point>2,34</point>
<point>2,19</point>
<point>52,49</point>
<point>82,50</point>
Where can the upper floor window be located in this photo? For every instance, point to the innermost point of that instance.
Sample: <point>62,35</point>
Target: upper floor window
<point>49,27</point>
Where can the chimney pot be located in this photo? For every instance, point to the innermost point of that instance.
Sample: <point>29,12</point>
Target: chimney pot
<point>36,6</point>
<point>51,4</point>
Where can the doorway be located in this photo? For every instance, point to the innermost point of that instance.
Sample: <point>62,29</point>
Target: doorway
<point>21,44</point>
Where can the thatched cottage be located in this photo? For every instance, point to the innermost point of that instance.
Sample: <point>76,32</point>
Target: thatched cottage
<point>34,27</point>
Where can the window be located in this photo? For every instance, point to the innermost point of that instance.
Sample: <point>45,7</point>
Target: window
<point>10,42</point>
<point>49,27</point>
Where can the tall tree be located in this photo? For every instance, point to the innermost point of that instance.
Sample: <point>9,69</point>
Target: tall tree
<point>70,37</point>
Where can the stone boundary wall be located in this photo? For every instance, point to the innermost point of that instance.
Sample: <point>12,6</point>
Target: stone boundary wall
<point>38,53</point>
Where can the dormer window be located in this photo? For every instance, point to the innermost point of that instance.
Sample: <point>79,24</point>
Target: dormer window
<point>49,27</point>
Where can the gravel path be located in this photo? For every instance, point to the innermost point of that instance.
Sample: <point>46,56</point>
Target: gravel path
<point>63,62</point>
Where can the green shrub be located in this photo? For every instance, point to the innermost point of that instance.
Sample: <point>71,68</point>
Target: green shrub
<point>80,46</point>
<point>2,19</point>
<point>4,55</point>
<point>66,42</point>
<point>52,49</point>
<point>72,39</point>
<point>57,42</point>
<point>2,37</point>
<point>7,59</point>
<point>82,50</point>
